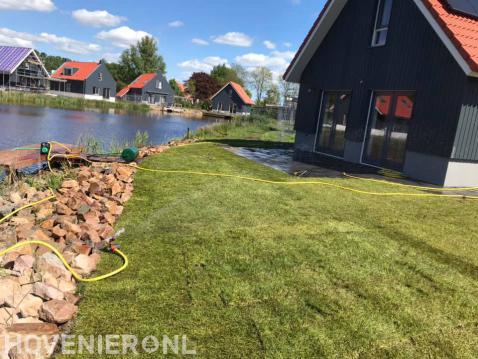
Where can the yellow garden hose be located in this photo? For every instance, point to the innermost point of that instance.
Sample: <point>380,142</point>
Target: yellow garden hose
<point>303,183</point>
<point>28,206</point>
<point>78,277</point>
<point>457,189</point>
<point>223,175</point>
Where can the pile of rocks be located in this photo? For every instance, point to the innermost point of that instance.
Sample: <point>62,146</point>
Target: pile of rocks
<point>37,293</point>
<point>154,150</point>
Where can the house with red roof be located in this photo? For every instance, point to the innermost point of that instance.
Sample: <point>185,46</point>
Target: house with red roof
<point>391,84</point>
<point>152,88</point>
<point>89,80</point>
<point>232,98</point>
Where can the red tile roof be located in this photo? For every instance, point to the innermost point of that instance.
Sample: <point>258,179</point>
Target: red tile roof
<point>181,87</point>
<point>242,93</point>
<point>461,29</point>
<point>139,83</point>
<point>85,69</point>
<point>239,90</point>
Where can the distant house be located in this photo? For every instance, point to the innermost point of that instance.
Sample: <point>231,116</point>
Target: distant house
<point>89,80</point>
<point>181,87</point>
<point>391,84</point>
<point>152,88</point>
<point>232,98</point>
<point>21,68</point>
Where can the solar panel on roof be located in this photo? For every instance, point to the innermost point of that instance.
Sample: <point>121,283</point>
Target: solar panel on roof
<point>468,7</point>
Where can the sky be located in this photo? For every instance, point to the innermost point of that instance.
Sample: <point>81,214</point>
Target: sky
<point>192,35</point>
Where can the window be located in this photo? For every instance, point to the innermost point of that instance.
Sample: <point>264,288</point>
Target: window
<point>382,21</point>
<point>333,123</point>
<point>67,71</point>
<point>159,84</point>
<point>68,87</point>
<point>100,76</point>
<point>388,127</point>
<point>96,91</point>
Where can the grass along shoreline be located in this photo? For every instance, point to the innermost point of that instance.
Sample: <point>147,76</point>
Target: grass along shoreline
<point>67,103</point>
<point>247,130</point>
<point>246,269</point>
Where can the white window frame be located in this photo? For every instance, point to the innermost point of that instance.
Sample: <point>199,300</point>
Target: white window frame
<point>378,30</point>
<point>159,84</point>
<point>100,76</point>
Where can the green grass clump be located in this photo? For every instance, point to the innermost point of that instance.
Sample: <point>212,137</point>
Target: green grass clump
<point>67,103</point>
<point>252,270</point>
<point>250,128</point>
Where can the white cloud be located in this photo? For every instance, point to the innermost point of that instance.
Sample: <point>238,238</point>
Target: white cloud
<point>200,42</point>
<point>277,61</point>
<point>15,38</point>
<point>287,44</point>
<point>122,36</point>
<point>177,23</point>
<point>27,5</point>
<point>234,39</point>
<point>111,56</point>
<point>69,45</point>
<point>258,60</point>
<point>204,65</point>
<point>100,18</point>
<point>269,44</point>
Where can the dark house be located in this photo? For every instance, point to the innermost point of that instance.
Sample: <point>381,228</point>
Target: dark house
<point>392,84</point>
<point>22,69</point>
<point>152,88</point>
<point>232,98</point>
<point>89,80</point>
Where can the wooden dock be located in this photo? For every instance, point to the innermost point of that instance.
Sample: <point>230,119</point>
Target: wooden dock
<point>15,160</point>
<point>224,115</point>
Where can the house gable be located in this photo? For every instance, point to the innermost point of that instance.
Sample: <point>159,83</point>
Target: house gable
<point>414,59</point>
<point>100,78</point>
<point>448,30</point>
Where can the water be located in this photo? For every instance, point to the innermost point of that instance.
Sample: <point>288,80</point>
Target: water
<point>24,125</point>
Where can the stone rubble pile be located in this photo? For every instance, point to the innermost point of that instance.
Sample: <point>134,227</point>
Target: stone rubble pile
<point>37,292</point>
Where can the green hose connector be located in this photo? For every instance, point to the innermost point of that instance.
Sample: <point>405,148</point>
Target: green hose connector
<point>130,154</point>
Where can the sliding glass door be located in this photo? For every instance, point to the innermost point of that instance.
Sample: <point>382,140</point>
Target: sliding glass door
<point>333,123</point>
<point>388,127</point>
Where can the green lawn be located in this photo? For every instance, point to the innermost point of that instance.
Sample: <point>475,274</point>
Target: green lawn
<point>252,270</point>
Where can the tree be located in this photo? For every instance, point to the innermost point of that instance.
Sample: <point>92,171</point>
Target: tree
<point>52,62</point>
<point>174,85</point>
<point>139,59</point>
<point>261,81</point>
<point>223,74</point>
<point>241,73</point>
<point>203,85</point>
<point>288,89</point>
<point>273,95</point>
<point>116,71</point>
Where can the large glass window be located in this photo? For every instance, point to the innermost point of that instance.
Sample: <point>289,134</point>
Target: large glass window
<point>382,22</point>
<point>387,133</point>
<point>333,123</point>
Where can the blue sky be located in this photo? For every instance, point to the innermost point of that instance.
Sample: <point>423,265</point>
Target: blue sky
<point>249,32</point>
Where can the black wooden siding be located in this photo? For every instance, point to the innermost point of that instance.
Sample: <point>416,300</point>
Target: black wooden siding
<point>107,82</point>
<point>414,58</point>
<point>466,142</point>
<point>228,96</point>
<point>142,95</point>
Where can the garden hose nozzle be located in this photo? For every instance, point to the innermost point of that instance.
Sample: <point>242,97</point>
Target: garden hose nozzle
<point>45,148</point>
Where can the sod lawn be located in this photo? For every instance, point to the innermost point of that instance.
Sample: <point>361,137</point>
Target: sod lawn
<point>253,270</point>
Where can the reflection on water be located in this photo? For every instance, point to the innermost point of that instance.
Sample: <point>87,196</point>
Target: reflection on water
<point>23,125</point>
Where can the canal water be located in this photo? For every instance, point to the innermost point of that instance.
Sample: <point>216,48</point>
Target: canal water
<point>24,125</point>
